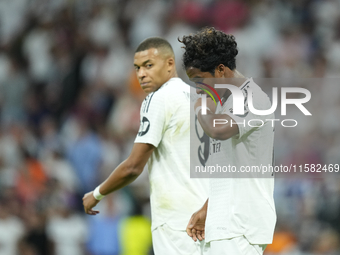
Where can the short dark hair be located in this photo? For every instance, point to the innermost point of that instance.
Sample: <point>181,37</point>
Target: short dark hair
<point>154,42</point>
<point>209,48</point>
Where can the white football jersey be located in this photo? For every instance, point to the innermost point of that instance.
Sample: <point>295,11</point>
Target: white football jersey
<point>165,123</point>
<point>243,206</point>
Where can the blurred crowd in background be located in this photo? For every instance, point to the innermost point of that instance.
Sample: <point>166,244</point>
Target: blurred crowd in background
<point>69,110</point>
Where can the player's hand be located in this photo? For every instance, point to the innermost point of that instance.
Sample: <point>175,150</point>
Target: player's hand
<point>89,202</point>
<point>196,225</point>
<point>198,103</point>
<point>210,104</point>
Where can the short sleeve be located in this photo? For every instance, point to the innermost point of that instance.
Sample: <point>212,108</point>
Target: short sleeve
<point>152,120</point>
<point>246,123</point>
<point>249,122</point>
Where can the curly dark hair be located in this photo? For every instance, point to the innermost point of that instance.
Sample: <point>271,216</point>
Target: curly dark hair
<point>209,48</point>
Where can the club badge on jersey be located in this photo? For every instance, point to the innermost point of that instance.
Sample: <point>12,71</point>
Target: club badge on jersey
<point>144,126</point>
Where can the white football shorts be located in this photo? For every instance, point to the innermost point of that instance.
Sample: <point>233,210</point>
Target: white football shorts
<point>234,246</point>
<point>167,241</point>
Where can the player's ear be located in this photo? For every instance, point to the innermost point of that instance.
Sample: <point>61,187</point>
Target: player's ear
<point>223,71</point>
<point>220,71</point>
<point>170,64</point>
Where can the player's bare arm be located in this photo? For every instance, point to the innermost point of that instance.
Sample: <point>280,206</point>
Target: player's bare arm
<point>196,225</point>
<point>123,175</point>
<point>219,132</point>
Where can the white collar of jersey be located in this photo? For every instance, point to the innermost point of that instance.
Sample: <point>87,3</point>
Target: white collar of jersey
<point>248,81</point>
<point>172,79</point>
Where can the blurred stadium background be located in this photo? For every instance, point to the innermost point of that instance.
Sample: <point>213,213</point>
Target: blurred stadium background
<point>69,109</point>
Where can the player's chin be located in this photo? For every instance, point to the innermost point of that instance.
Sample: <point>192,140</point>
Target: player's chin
<point>147,90</point>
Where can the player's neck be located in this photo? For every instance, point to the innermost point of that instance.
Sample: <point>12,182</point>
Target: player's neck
<point>237,79</point>
<point>173,74</point>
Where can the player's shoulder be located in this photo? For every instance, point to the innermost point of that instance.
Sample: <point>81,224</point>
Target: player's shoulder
<point>250,84</point>
<point>174,83</point>
<point>260,98</point>
<point>173,88</point>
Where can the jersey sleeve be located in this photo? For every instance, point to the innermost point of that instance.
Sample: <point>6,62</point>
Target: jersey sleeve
<point>249,122</point>
<point>152,120</point>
